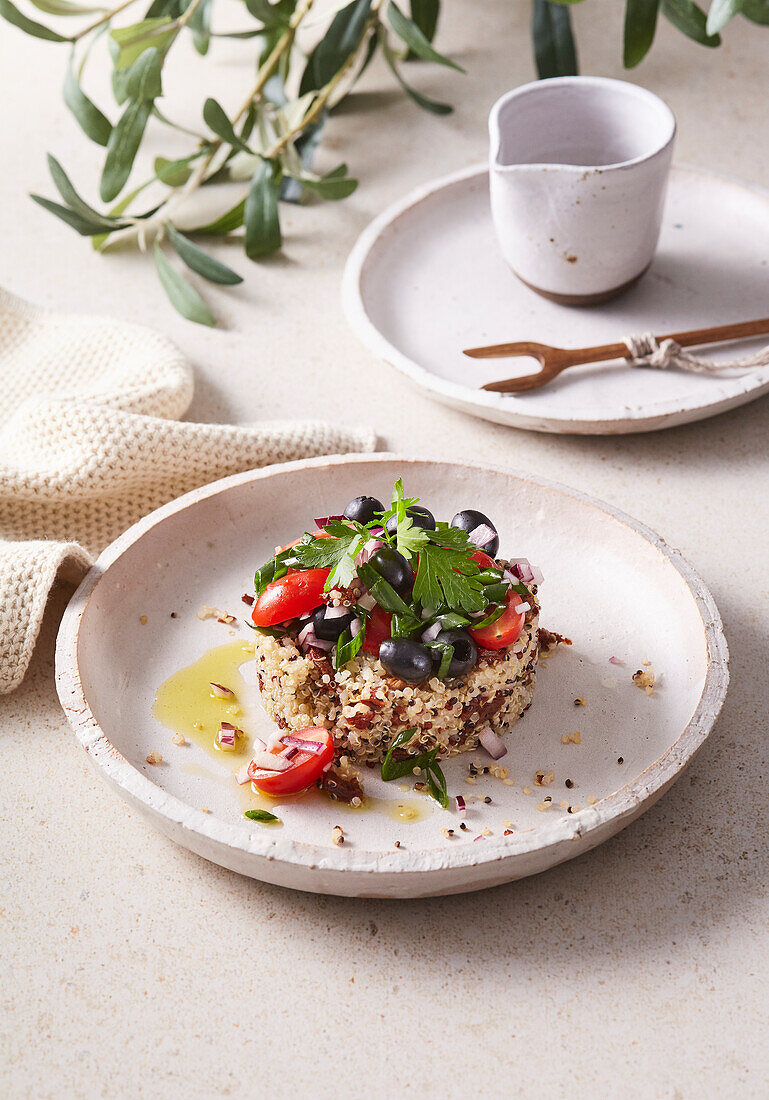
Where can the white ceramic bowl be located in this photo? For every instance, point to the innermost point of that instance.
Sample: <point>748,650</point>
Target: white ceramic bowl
<point>610,583</point>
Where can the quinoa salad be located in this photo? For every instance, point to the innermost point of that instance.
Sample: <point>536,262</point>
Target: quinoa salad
<point>385,637</point>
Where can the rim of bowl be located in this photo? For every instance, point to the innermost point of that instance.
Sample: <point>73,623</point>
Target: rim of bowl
<point>138,788</point>
<point>540,87</point>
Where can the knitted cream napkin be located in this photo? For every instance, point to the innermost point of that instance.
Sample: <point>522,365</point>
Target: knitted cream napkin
<point>90,441</point>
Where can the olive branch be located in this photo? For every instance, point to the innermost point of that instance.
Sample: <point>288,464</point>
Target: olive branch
<point>267,147</point>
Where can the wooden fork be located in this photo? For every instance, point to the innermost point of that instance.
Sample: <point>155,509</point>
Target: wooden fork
<point>555,360</point>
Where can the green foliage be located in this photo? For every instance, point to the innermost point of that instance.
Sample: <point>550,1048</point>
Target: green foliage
<point>268,146</point>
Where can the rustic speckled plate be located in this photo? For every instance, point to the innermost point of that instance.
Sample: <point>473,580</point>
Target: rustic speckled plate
<point>427,279</point>
<point>610,584</point>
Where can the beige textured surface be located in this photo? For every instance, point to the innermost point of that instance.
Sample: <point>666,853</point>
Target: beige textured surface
<point>131,968</point>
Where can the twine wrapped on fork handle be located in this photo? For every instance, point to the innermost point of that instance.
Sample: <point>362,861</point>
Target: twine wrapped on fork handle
<point>647,350</point>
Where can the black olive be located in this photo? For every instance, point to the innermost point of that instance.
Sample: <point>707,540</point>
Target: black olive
<point>409,661</point>
<point>420,517</point>
<point>469,520</point>
<point>394,568</point>
<point>330,629</point>
<point>465,651</point>
<point>364,509</point>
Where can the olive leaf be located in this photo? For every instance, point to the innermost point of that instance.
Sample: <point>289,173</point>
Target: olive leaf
<point>720,12</point>
<point>71,197</point>
<point>757,11</point>
<point>11,14</point>
<point>86,227</point>
<point>134,40</point>
<point>407,30</point>
<point>419,98</point>
<point>554,50</point>
<point>183,297</point>
<point>425,14</point>
<point>174,173</point>
<point>272,15</point>
<point>215,118</point>
<point>93,123</point>
<point>689,18</point>
<point>122,147</point>
<point>261,216</point>
<point>334,185</point>
<point>64,7</point>
<point>226,223</point>
<point>199,261</point>
<point>640,25</point>
<point>340,41</point>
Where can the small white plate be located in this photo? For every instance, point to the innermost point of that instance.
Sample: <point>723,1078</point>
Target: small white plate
<point>610,584</point>
<point>427,279</point>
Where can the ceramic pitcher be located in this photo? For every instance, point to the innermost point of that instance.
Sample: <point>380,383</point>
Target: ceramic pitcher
<point>578,171</point>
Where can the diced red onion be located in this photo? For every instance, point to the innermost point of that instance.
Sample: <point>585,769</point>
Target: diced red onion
<point>493,745</point>
<point>355,626</point>
<point>479,837</point>
<point>300,745</point>
<point>367,550</point>
<point>335,612</point>
<point>431,633</point>
<point>461,806</point>
<point>306,630</point>
<point>269,761</point>
<point>538,575</point>
<point>377,530</point>
<point>226,736</point>
<point>241,775</point>
<point>522,608</point>
<point>481,534</point>
<point>308,637</point>
<point>616,661</point>
<point>324,520</point>
<point>367,602</point>
<point>292,752</point>
<point>219,691</point>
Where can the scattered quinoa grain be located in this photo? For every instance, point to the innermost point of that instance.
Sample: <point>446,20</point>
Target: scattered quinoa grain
<point>143,620</point>
<point>527,790</point>
<point>569,783</point>
<point>592,799</point>
<point>337,835</point>
<point>179,739</point>
<point>544,779</point>
<point>580,701</point>
<point>154,758</point>
<point>620,759</point>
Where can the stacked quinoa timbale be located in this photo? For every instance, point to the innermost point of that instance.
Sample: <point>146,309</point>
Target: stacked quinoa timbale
<point>385,622</point>
<point>365,707</point>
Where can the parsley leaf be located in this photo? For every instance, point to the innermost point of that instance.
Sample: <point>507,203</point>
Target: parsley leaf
<point>448,576</point>
<point>337,553</point>
<point>348,647</point>
<point>264,816</point>
<point>425,761</point>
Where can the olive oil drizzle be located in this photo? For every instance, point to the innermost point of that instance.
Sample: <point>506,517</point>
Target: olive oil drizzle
<point>185,704</point>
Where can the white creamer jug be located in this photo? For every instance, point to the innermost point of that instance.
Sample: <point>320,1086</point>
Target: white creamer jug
<point>578,171</point>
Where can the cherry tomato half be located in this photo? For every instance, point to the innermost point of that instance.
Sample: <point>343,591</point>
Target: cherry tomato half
<point>378,629</point>
<point>506,629</point>
<point>289,597</point>
<point>483,560</point>
<point>304,768</point>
